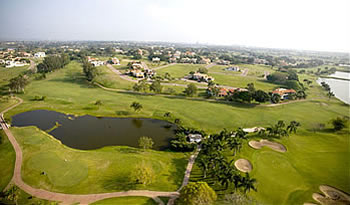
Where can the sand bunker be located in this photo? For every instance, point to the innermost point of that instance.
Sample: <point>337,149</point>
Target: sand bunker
<point>243,165</point>
<point>273,145</point>
<point>332,196</point>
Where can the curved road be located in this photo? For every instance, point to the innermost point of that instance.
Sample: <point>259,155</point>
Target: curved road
<point>80,198</point>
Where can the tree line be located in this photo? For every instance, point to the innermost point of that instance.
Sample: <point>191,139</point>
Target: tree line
<point>53,62</point>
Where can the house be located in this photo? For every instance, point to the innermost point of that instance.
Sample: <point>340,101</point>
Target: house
<point>97,63</point>
<point>149,73</point>
<point>39,55</point>
<point>233,68</point>
<point>188,60</point>
<point>15,63</point>
<point>137,73</point>
<point>223,62</point>
<point>205,61</point>
<point>172,60</point>
<point>194,138</point>
<point>201,77</point>
<point>155,60</point>
<point>190,53</point>
<point>253,129</point>
<point>284,93</point>
<point>136,66</point>
<point>115,61</point>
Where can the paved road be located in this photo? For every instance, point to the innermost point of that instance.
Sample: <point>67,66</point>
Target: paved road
<point>79,198</point>
<point>164,66</point>
<point>32,65</point>
<point>266,73</point>
<point>210,65</point>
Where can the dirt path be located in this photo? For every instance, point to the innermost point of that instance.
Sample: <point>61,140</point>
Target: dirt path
<point>245,72</point>
<point>285,103</point>
<point>210,65</point>
<point>266,73</point>
<point>32,65</point>
<point>164,66</point>
<point>80,198</point>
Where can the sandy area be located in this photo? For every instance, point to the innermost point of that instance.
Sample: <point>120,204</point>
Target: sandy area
<point>243,165</point>
<point>273,145</point>
<point>331,196</point>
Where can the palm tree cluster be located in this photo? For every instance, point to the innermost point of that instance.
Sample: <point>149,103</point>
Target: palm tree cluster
<point>280,129</point>
<point>214,164</point>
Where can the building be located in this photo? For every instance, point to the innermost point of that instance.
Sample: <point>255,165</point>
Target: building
<point>13,63</point>
<point>284,93</point>
<point>194,138</point>
<point>115,61</point>
<point>155,60</point>
<point>205,61</point>
<point>233,68</point>
<point>223,62</point>
<point>39,55</point>
<point>137,73</point>
<point>172,60</point>
<point>97,63</point>
<point>201,77</point>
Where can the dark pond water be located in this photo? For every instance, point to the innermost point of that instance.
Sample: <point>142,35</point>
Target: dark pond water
<point>89,132</point>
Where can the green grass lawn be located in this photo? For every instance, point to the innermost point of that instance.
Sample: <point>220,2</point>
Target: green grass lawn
<point>312,159</point>
<point>67,91</point>
<point>7,160</point>
<point>242,81</point>
<point>96,171</point>
<point>130,200</point>
<point>109,79</point>
<point>7,73</point>
<point>179,70</point>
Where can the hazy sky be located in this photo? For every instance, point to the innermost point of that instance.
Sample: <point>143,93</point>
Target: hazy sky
<point>300,24</point>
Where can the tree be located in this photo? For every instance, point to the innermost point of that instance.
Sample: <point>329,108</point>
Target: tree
<point>261,96</point>
<point>136,106</point>
<point>203,70</point>
<point>18,83</point>
<point>196,193</point>
<point>167,114</point>
<point>89,70</point>
<point>145,142</point>
<point>156,86</point>
<point>251,88</point>
<point>275,98</point>
<point>292,127</point>
<point>191,90</point>
<point>12,194</point>
<point>143,174</point>
<point>338,123</point>
<point>330,94</point>
<point>141,86</point>
<point>247,183</point>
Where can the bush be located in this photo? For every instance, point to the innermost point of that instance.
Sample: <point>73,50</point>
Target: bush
<point>339,123</point>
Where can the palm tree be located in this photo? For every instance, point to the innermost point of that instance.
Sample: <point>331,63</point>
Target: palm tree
<point>330,94</point>
<point>203,163</point>
<point>292,127</point>
<point>240,133</point>
<point>167,114</point>
<point>248,183</point>
<point>137,106</point>
<point>234,144</point>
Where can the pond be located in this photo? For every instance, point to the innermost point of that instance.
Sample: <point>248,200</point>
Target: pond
<point>89,132</point>
<point>339,87</point>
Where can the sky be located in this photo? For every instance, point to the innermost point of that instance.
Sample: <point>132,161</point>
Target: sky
<point>322,25</point>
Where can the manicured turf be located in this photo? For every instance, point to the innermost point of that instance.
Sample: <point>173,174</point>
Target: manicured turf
<point>55,167</point>
<point>126,200</point>
<point>109,79</point>
<point>179,70</point>
<point>7,161</point>
<point>312,159</point>
<point>290,177</point>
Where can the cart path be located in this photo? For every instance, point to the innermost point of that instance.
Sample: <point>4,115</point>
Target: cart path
<point>81,198</point>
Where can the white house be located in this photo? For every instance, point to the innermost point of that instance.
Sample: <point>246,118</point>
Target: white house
<point>195,138</point>
<point>96,63</point>
<point>233,68</point>
<point>39,55</point>
<point>115,61</point>
<point>155,60</point>
<point>11,63</point>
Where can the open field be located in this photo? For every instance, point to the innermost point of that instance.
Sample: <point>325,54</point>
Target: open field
<point>311,158</point>
<point>179,70</point>
<point>7,161</point>
<point>96,171</point>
